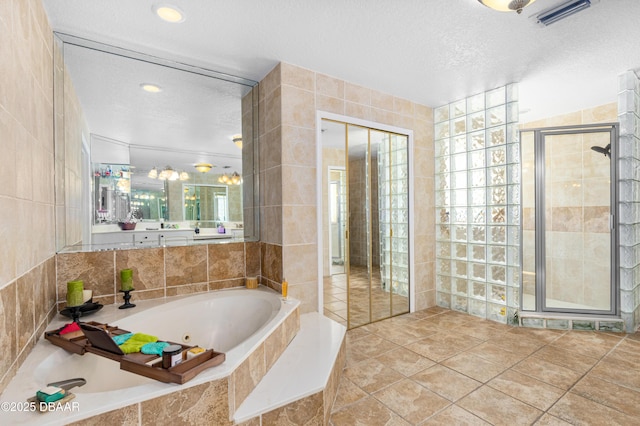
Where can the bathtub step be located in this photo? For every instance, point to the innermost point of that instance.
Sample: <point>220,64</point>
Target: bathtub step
<point>302,370</point>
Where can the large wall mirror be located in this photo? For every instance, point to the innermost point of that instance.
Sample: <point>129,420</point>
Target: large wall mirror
<point>146,140</point>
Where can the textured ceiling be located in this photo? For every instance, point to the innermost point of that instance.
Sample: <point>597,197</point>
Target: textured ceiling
<point>429,51</point>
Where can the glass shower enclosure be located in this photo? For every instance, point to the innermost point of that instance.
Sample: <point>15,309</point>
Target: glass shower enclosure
<point>569,219</point>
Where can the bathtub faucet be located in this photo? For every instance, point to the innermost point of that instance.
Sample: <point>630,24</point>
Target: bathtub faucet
<point>69,383</point>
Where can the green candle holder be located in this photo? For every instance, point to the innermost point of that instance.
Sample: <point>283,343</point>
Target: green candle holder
<point>75,293</point>
<point>126,279</point>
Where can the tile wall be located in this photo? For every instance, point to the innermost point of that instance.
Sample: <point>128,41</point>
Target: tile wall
<point>477,205</point>
<point>27,268</point>
<point>289,99</point>
<point>628,166</point>
<point>159,272</point>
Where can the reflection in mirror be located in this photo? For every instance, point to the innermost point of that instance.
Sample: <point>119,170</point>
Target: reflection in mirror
<point>365,221</point>
<point>207,204</point>
<point>130,130</point>
<point>151,204</point>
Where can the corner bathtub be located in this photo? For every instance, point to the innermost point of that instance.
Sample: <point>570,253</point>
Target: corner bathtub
<point>234,321</point>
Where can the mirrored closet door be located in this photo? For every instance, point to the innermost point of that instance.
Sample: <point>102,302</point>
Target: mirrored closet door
<point>365,223</point>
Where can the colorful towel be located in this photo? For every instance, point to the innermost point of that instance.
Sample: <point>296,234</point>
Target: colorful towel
<point>121,338</point>
<point>69,328</point>
<point>154,348</point>
<point>136,342</point>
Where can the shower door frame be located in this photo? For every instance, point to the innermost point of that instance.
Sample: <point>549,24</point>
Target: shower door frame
<point>540,217</point>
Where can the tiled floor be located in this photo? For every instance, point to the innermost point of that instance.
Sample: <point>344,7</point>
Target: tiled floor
<point>335,298</point>
<point>442,367</point>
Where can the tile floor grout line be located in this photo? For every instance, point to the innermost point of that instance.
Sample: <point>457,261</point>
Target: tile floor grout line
<point>450,328</point>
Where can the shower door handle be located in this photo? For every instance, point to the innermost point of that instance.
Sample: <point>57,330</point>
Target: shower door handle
<point>611,222</point>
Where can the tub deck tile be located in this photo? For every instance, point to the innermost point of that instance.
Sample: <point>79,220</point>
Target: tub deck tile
<point>302,370</point>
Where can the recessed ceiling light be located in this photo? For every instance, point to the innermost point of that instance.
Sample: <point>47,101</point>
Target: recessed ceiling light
<point>151,88</point>
<point>169,13</point>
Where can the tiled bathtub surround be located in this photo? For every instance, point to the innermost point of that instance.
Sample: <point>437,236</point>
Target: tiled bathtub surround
<point>629,117</point>
<point>210,403</point>
<point>477,205</point>
<point>159,272</point>
<point>289,98</point>
<point>27,305</point>
<point>27,267</point>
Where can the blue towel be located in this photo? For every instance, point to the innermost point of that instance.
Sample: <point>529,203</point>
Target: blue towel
<point>154,348</point>
<point>121,338</point>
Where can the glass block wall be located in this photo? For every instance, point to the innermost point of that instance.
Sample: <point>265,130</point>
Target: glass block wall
<point>478,205</point>
<point>629,194</point>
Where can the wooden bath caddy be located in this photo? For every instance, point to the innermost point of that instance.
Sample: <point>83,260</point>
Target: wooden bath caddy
<point>97,339</point>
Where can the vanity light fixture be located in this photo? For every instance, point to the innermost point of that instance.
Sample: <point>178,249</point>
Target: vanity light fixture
<point>151,88</point>
<point>168,174</point>
<point>153,173</point>
<point>237,139</point>
<point>184,175</point>
<point>507,5</point>
<point>203,167</point>
<point>168,13</point>
<point>236,179</point>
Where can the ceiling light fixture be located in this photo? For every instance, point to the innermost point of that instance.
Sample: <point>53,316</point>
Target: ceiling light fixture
<point>507,5</point>
<point>562,11</point>
<point>237,139</point>
<point>151,88</point>
<point>167,174</point>
<point>203,167</point>
<point>168,13</point>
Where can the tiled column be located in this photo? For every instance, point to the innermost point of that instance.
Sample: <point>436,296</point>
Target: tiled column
<point>628,164</point>
<point>477,205</point>
<point>299,229</point>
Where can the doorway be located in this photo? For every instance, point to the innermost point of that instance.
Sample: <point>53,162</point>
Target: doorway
<point>337,202</point>
<point>570,219</point>
<point>365,220</point>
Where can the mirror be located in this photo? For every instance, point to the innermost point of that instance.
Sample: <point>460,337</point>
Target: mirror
<point>365,193</point>
<point>205,203</point>
<point>123,117</point>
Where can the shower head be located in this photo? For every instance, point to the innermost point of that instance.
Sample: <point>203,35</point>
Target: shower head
<point>606,150</point>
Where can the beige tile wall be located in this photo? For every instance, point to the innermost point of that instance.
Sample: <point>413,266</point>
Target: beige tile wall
<point>159,272</point>
<point>289,99</point>
<point>27,269</point>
